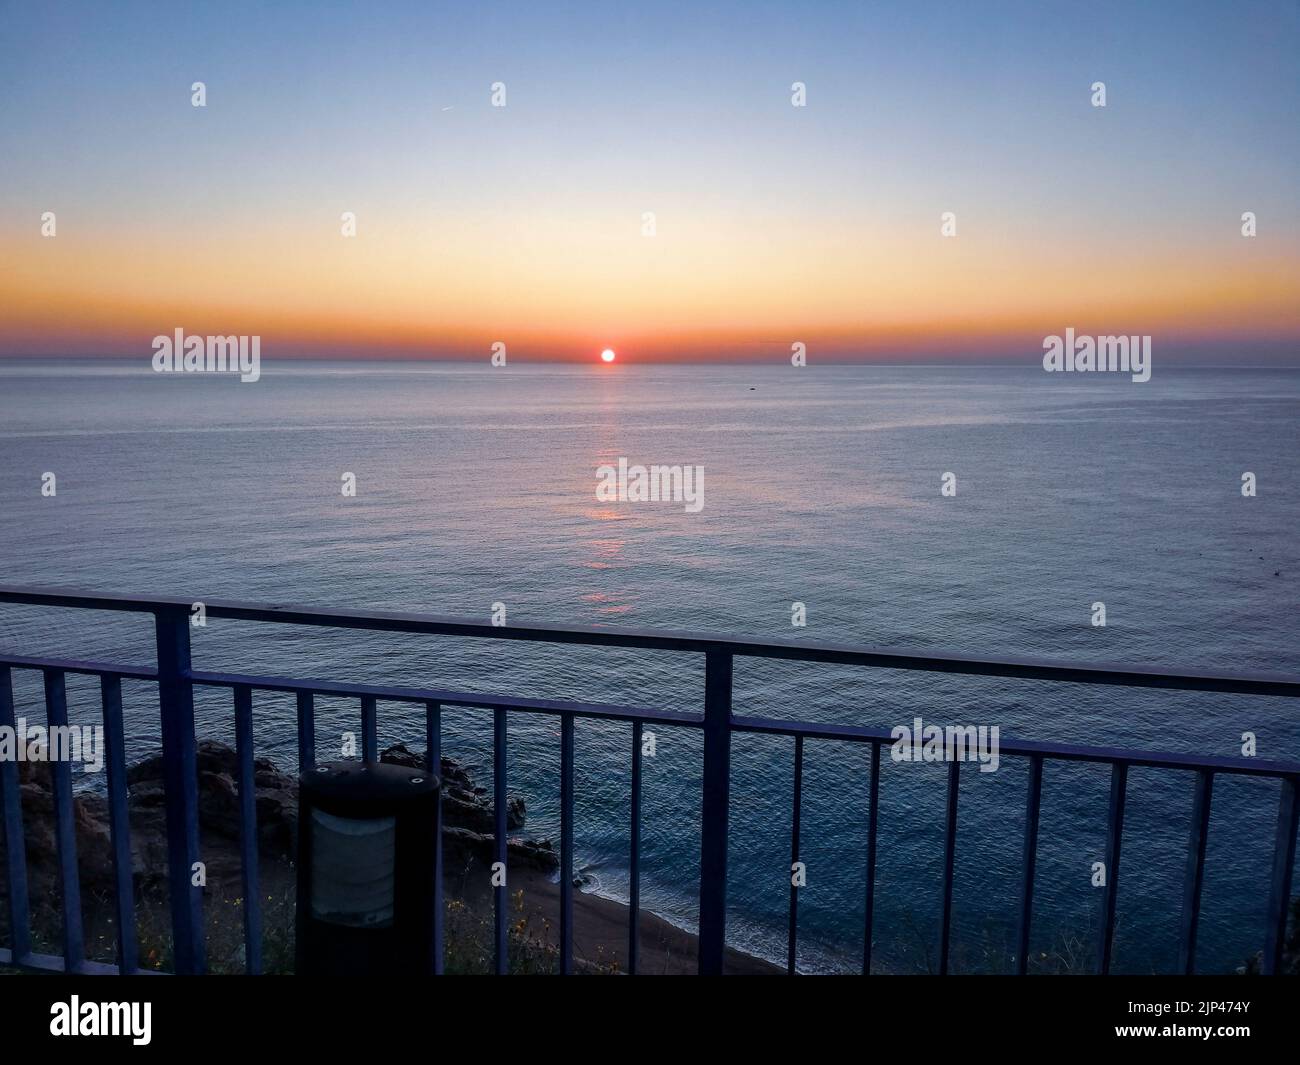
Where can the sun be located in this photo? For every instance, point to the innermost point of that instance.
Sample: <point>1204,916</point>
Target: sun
<point>607,355</point>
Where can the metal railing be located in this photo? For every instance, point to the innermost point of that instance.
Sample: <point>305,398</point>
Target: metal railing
<point>176,679</point>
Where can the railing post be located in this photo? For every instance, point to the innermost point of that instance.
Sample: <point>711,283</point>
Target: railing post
<point>1279,895</point>
<point>796,817</point>
<point>65,832</point>
<point>180,787</point>
<point>713,834</point>
<point>248,838</point>
<point>369,730</point>
<point>1029,862</point>
<point>566,845</point>
<point>949,854</point>
<point>1194,877</point>
<point>307,732</point>
<point>500,800</point>
<point>634,866</point>
<point>11,811</point>
<point>1114,839</point>
<point>873,823</point>
<point>433,763</point>
<point>119,820</point>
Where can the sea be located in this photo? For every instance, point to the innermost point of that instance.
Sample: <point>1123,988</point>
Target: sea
<point>823,502</point>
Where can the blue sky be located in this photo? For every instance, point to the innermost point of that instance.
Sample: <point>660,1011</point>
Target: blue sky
<point>913,107</point>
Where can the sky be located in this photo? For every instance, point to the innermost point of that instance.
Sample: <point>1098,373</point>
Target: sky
<point>772,224</point>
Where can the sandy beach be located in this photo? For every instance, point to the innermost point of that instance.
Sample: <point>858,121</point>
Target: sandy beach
<point>600,927</point>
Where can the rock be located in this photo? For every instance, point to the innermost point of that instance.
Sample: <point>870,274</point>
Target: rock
<point>463,804</point>
<point>460,844</point>
<point>89,822</point>
<point>400,754</point>
<point>467,820</point>
<point>218,769</point>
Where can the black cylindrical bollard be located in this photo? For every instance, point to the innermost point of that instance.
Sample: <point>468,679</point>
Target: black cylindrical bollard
<point>367,866</point>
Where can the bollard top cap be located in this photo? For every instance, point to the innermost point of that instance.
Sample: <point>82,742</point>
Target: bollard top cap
<point>366,783</point>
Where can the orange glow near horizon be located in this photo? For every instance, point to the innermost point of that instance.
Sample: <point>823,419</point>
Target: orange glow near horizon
<point>715,290</point>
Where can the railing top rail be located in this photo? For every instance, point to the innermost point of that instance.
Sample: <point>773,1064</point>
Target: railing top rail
<point>387,692</point>
<point>123,670</point>
<point>447,698</point>
<point>1008,746</point>
<point>844,654</point>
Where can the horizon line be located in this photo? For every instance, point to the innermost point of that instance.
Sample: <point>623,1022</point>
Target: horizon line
<point>922,363</point>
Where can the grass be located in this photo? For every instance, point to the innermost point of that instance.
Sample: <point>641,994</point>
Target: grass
<point>468,936</point>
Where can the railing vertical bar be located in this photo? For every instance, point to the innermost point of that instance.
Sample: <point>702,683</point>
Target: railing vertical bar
<point>713,818</point>
<point>119,822</point>
<point>1279,896</point>
<point>566,845</point>
<point>65,833</point>
<point>369,730</point>
<point>306,732</point>
<point>796,817</point>
<point>180,787</point>
<point>433,763</point>
<point>1030,860</point>
<point>20,936</point>
<point>634,889</point>
<point>1194,876</point>
<point>873,809</point>
<point>1114,837</point>
<point>501,942</point>
<point>949,854</point>
<point>248,830</point>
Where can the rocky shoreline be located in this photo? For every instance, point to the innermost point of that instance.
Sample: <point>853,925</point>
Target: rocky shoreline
<point>600,925</point>
<point>467,820</point>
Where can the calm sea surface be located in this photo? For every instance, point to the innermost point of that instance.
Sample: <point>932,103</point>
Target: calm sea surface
<point>822,486</point>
